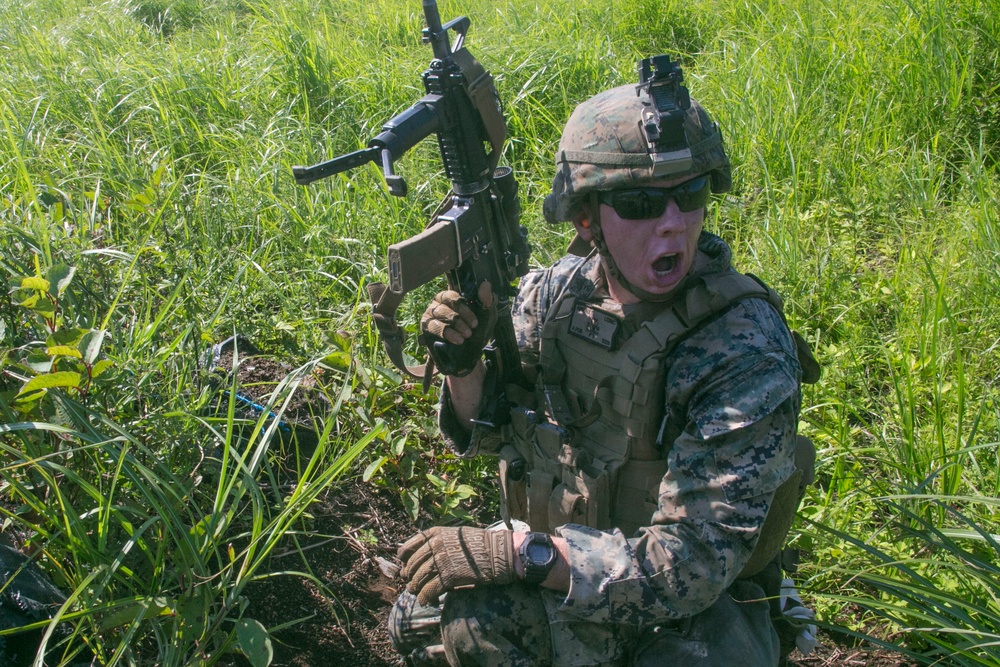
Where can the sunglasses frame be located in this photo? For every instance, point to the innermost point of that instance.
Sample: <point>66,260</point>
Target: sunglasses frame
<point>657,199</point>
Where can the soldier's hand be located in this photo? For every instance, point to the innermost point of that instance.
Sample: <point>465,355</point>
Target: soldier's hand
<point>451,319</point>
<point>443,558</point>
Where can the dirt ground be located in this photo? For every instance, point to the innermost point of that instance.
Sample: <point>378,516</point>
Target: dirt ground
<point>355,526</point>
<point>338,617</point>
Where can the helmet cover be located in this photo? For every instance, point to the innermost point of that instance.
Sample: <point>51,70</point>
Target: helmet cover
<point>603,147</point>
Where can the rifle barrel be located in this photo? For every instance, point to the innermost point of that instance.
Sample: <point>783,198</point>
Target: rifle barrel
<point>435,34</point>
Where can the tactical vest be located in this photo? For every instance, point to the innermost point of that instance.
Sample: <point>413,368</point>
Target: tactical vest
<point>589,446</point>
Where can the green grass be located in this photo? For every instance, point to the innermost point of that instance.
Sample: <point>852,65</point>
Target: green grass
<point>148,144</point>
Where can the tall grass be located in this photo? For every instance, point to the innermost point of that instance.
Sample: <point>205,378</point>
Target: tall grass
<point>155,559</point>
<point>148,144</point>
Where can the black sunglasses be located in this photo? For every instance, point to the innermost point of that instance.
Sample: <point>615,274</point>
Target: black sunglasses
<point>646,203</point>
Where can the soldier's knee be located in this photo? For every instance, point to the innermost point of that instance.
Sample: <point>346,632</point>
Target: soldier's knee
<point>736,630</point>
<point>496,625</point>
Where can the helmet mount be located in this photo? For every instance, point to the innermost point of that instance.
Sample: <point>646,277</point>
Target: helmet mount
<point>662,121</point>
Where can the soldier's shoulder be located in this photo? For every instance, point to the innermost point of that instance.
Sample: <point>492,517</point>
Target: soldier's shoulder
<point>748,326</point>
<point>748,339</point>
<point>570,273</point>
<point>541,289</point>
<point>736,370</point>
<point>565,268</point>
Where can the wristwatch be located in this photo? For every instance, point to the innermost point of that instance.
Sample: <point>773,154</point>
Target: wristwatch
<point>538,555</point>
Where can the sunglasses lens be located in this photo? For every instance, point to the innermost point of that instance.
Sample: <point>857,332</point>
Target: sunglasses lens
<point>639,204</point>
<point>692,195</point>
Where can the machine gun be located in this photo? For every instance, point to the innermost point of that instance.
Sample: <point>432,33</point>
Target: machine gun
<point>475,233</point>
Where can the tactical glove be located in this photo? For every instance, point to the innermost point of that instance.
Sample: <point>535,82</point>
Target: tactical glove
<point>443,558</point>
<point>455,332</point>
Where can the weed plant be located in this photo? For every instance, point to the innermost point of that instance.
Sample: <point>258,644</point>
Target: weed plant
<point>147,146</point>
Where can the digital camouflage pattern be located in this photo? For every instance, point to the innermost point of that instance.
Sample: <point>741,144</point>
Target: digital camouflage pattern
<point>496,626</point>
<point>732,401</point>
<point>525,626</point>
<point>604,148</point>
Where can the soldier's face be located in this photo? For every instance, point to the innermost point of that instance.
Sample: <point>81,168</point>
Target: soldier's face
<point>654,254</point>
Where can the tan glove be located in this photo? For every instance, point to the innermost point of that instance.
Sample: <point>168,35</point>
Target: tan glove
<point>450,319</point>
<point>443,558</point>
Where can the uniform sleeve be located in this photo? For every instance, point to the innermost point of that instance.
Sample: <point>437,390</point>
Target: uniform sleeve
<point>526,313</point>
<point>732,401</point>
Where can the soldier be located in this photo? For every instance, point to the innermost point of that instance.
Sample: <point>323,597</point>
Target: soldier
<point>650,477</point>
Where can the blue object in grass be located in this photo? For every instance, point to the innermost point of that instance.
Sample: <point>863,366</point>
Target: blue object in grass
<point>283,426</point>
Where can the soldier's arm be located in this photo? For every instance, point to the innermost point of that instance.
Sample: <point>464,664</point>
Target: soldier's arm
<point>461,397</point>
<point>465,396</point>
<point>558,578</point>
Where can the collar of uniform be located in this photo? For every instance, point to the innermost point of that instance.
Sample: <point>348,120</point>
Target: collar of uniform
<point>718,256</point>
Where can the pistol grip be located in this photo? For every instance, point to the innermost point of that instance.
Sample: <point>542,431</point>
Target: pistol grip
<point>453,359</point>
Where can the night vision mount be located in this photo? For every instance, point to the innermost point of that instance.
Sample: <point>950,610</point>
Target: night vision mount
<point>663,120</point>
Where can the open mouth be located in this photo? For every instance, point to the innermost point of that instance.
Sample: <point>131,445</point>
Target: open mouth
<point>665,264</point>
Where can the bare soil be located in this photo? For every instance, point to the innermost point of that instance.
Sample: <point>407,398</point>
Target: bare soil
<point>828,655</point>
<point>345,618</point>
<point>258,375</point>
<point>336,616</point>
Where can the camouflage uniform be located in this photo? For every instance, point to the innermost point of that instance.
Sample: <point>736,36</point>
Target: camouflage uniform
<point>731,408</point>
<point>666,580</point>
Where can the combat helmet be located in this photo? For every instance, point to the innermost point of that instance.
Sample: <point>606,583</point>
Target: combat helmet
<point>632,135</point>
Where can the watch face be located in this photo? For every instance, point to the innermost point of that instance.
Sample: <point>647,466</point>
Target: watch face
<point>539,553</point>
